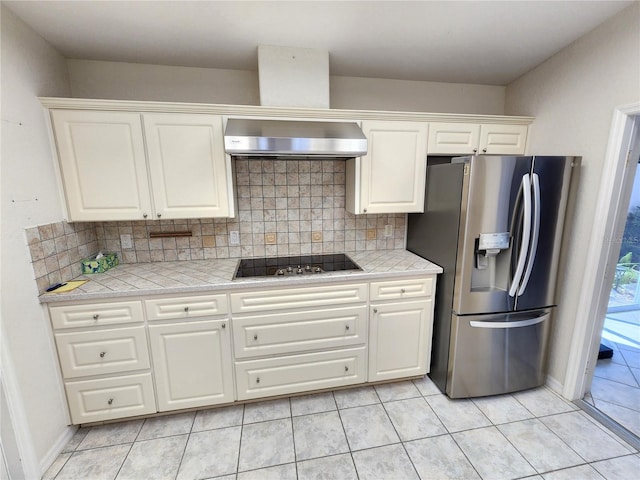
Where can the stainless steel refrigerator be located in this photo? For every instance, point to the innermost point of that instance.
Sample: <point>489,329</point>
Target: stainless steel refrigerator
<point>495,224</point>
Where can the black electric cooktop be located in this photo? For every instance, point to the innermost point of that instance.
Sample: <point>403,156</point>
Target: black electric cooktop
<point>294,265</point>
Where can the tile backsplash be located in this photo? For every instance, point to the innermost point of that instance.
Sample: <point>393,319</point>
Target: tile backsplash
<point>56,250</point>
<point>284,207</point>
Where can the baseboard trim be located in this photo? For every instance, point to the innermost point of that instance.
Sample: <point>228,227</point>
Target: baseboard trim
<point>554,385</point>
<point>56,448</point>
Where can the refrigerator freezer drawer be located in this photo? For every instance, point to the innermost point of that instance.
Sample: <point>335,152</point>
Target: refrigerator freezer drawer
<point>493,354</point>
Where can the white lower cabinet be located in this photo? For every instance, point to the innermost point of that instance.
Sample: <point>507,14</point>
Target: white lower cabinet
<point>157,354</point>
<point>300,373</point>
<point>110,398</point>
<point>192,363</point>
<point>400,339</point>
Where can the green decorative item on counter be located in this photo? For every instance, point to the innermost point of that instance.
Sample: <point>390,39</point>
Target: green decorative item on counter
<point>100,263</point>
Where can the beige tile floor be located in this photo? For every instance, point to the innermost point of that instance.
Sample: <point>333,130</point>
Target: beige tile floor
<point>615,389</point>
<point>403,430</point>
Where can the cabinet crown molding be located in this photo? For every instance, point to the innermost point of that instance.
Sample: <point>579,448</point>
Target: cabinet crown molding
<point>254,110</point>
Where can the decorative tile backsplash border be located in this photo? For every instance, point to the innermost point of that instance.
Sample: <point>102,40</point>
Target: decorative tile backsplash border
<point>285,207</point>
<point>57,248</point>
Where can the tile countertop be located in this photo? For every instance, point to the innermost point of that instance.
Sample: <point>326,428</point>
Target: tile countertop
<point>198,276</point>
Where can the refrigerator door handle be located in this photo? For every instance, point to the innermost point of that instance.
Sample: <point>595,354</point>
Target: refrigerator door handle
<point>536,232</point>
<point>526,235</point>
<point>519,323</point>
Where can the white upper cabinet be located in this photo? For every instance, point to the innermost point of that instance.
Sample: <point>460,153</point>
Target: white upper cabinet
<point>107,175</point>
<point>102,165</point>
<point>187,165</point>
<point>470,139</point>
<point>390,178</point>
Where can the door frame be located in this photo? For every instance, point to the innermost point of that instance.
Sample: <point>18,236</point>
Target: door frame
<point>608,222</point>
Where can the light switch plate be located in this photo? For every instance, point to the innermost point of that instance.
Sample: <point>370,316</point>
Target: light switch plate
<point>388,230</point>
<point>234,237</point>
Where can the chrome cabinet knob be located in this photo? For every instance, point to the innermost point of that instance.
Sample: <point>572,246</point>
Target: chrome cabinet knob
<point>255,337</point>
<point>364,210</point>
<point>224,325</point>
<point>375,310</point>
<point>102,354</point>
<point>144,215</point>
<point>475,150</point>
<point>402,290</point>
<point>346,368</point>
<point>110,401</point>
<point>347,327</point>
<point>96,316</point>
<point>484,150</point>
<point>257,379</point>
<point>159,215</point>
<point>186,309</point>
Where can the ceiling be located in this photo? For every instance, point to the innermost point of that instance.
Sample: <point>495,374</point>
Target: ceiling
<point>483,42</point>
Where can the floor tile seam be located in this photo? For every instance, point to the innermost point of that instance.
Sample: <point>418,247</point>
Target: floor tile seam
<point>561,439</point>
<point>636,386</point>
<point>528,461</point>
<point>240,441</point>
<point>102,446</point>
<point>124,460</point>
<point>614,403</point>
<point>184,450</point>
<point>466,456</point>
<point>358,406</point>
<point>621,383</point>
<point>604,428</point>
<point>63,465</point>
<point>395,400</point>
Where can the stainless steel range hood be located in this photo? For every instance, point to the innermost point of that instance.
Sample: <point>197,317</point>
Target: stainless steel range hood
<point>283,138</point>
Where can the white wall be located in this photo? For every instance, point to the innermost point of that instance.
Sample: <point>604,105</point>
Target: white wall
<point>573,96</point>
<point>129,81</point>
<point>30,68</point>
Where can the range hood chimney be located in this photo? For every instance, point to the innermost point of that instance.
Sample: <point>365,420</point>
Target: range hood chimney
<point>293,77</point>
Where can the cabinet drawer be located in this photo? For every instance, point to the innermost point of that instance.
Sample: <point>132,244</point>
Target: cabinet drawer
<point>278,333</point>
<point>399,289</point>
<point>102,351</point>
<point>96,314</point>
<point>259,301</point>
<point>300,373</point>
<point>109,398</point>
<point>186,307</point>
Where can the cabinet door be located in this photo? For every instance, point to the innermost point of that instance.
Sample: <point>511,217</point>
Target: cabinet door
<point>192,364</point>
<point>453,138</point>
<point>503,139</point>
<point>400,339</point>
<point>102,165</point>
<point>188,166</point>
<point>393,171</point>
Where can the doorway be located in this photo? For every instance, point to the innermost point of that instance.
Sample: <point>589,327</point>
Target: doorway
<point>615,387</point>
<point>618,174</point>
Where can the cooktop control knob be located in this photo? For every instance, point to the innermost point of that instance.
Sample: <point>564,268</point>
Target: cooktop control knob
<point>289,269</point>
<point>280,271</point>
<point>299,270</point>
<point>317,270</point>
<point>307,268</point>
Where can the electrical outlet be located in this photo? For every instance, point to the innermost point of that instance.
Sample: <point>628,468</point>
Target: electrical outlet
<point>270,238</point>
<point>371,234</point>
<point>388,230</point>
<point>125,241</point>
<point>316,236</point>
<point>234,237</point>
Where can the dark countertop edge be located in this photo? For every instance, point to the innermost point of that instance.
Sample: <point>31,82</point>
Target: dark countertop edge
<point>240,284</point>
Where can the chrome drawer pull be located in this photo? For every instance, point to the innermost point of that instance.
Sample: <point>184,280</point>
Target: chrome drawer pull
<point>257,379</point>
